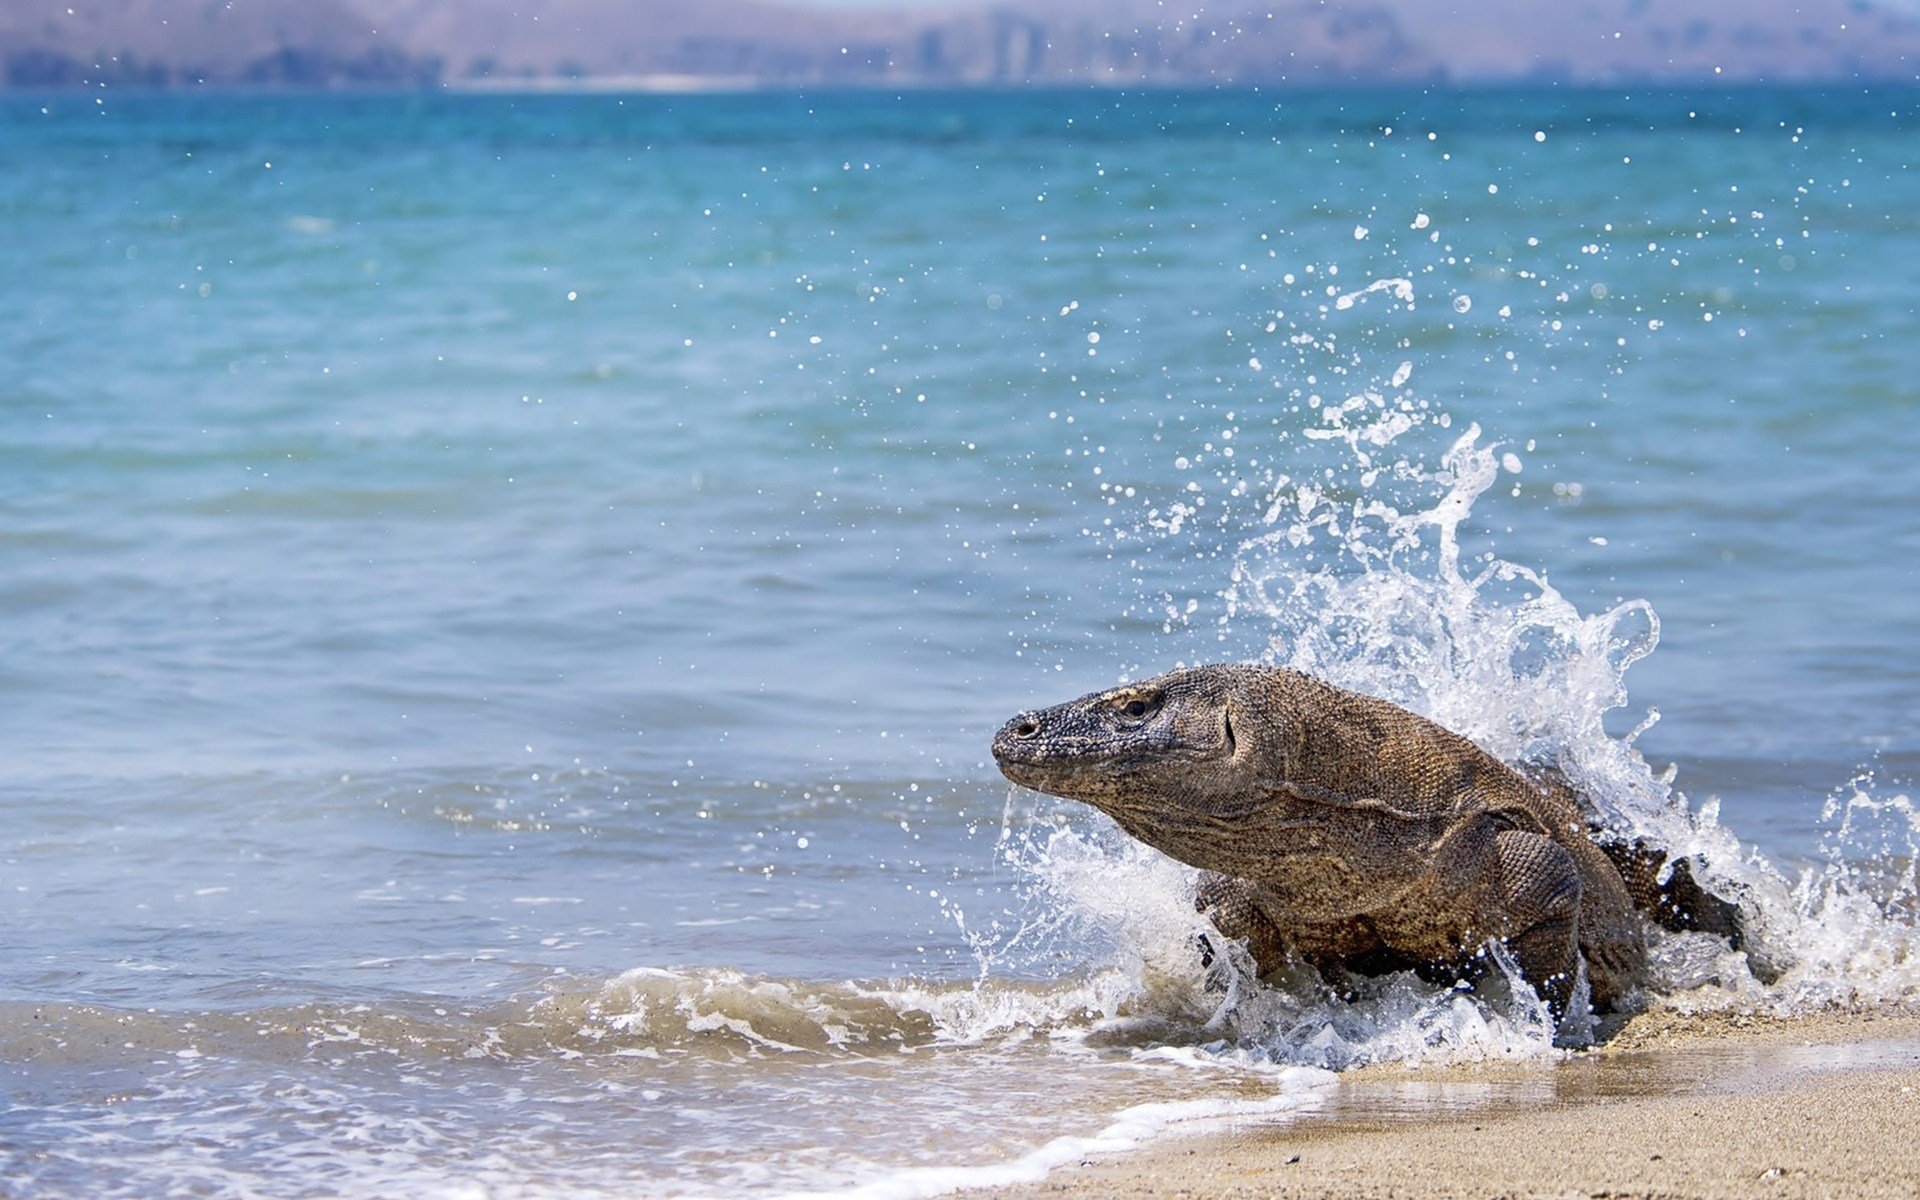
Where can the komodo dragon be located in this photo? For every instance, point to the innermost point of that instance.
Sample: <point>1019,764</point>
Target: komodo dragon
<point>1343,830</point>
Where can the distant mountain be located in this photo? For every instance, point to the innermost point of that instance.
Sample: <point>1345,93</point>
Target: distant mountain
<point>756,43</point>
<point>160,43</point>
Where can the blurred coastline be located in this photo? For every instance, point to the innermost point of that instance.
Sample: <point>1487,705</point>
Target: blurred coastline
<point>657,45</point>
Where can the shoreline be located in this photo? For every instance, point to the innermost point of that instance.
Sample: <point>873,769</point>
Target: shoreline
<point>1715,1105</point>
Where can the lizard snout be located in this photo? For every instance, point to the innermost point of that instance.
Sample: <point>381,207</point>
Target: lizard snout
<point>1019,741</point>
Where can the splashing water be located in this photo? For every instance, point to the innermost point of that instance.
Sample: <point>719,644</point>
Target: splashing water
<point>1158,986</point>
<point>1357,574</point>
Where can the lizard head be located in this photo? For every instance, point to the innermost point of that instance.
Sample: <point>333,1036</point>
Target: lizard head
<point>1179,739</point>
<point>1328,798</point>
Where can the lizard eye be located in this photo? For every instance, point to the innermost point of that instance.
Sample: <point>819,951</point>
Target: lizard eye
<point>1136,708</point>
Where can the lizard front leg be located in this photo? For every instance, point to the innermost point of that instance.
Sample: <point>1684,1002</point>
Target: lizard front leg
<point>1229,904</point>
<point>1540,893</point>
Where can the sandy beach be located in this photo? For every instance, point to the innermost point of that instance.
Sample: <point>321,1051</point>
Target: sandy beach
<point>1675,1105</point>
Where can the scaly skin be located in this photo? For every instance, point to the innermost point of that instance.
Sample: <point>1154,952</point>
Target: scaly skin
<point>1339,829</point>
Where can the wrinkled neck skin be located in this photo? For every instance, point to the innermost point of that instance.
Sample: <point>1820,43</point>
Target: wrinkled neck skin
<point>1259,840</point>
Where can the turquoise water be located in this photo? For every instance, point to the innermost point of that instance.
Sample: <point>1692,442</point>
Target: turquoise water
<point>458,551</point>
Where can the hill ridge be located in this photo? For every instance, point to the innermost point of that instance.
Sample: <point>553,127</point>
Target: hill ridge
<point>761,43</point>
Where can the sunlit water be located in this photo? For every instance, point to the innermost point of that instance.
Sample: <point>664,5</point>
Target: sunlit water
<point>503,601</point>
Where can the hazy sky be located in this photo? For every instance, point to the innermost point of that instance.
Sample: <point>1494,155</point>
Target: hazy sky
<point>883,3</point>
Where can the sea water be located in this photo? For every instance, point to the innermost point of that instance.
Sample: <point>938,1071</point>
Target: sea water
<point>503,600</point>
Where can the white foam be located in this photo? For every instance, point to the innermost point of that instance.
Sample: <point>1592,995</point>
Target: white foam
<point>1130,1128</point>
<point>1132,909</point>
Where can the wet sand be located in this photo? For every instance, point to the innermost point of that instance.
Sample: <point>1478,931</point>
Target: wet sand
<point>1674,1106</point>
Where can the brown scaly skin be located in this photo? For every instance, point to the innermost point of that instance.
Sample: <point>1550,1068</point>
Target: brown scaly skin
<point>1339,829</point>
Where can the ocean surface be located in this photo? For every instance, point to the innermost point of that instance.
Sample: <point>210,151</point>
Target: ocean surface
<point>504,600</point>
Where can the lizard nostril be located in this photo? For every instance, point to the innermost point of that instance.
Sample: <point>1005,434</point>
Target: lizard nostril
<point>1026,729</point>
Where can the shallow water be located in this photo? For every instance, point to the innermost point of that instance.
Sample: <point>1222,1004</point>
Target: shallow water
<point>503,600</point>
